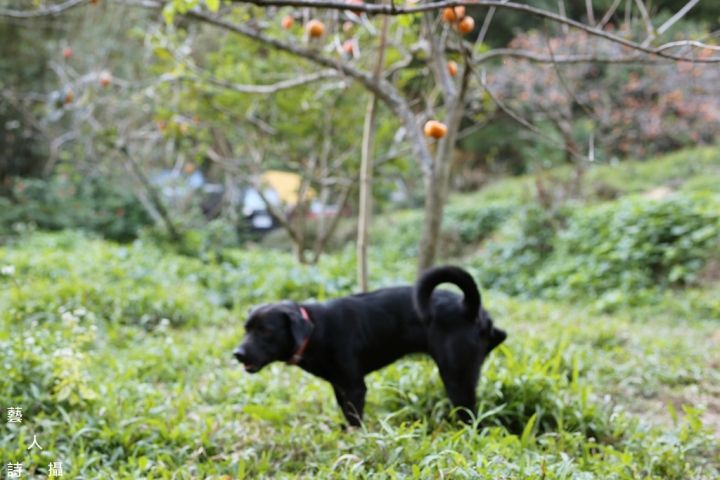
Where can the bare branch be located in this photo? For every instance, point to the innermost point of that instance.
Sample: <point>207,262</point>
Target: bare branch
<point>27,114</point>
<point>392,9</point>
<point>524,122</point>
<point>439,63</point>
<point>590,13</point>
<point>538,12</point>
<point>684,43</point>
<point>542,58</point>
<point>139,3</point>
<point>54,150</point>
<point>610,12</point>
<point>384,90</point>
<point>486,25</point>
<point>648,23</point>
<point>561,8</point>
<point>134,167</point>
<point>227,163</point>
<point>322,241</point>
<point>44,12</point>
<point>472,129</point>
<point>567,88</point>
<point>268,89</point>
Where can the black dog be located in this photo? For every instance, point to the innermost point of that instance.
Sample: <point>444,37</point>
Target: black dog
<point>344,339</point>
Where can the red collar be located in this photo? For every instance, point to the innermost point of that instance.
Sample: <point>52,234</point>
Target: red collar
<point>297,356</point>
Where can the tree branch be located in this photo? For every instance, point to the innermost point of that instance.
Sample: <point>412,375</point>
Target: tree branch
<point>44,12</point>
<point>681,13</point>
<point>648,23</point>
<point>522,121</point>
<point>606,17</point>
<point>684,43</point>
<point>560,77</point>
<point>538,12</point>
<point>322,241</point>
<point>267,89</point>
<point>384,90</point>
<point>157,202</point>
<point>391,9</point>
<point>542,58</point>
<point>590,13</point>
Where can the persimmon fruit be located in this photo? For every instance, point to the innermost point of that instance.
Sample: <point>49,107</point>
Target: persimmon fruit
<point>452,15</point>
<point>355,2</point>
<point>435,129</point>
<point>465,25</point>
<point>315,28</point>
<point>287,22</point>
<point>105,78</point>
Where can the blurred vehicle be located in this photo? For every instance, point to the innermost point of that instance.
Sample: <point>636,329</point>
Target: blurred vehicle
<point>281,191</point>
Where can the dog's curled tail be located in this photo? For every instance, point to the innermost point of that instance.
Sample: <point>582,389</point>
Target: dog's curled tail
<point>432,277</point>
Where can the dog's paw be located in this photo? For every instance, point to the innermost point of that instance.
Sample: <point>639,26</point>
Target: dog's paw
<point>345,428</point>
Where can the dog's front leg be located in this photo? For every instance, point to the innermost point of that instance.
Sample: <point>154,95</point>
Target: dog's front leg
<point>351,399</point>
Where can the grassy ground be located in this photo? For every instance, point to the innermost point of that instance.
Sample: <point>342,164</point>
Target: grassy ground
<point>120,359</point>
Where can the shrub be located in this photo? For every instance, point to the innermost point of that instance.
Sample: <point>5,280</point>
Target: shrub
<point>46,358</point>
<point>65,202</point>
<point>620,252</point>
<point>127,400</point>
<point>520,249</point>
<point>476,223</point>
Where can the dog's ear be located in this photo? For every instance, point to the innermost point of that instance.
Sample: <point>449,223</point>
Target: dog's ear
<point>256,308</point>
<point>497,337</point>
<point>299,327</point>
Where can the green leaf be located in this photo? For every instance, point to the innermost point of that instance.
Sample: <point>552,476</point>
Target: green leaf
<point>673,413</point>
<point>405,20</point>
<point>213,5</point>
<point>169,12</point>
<point>527,431</point>
<point>263,413</point>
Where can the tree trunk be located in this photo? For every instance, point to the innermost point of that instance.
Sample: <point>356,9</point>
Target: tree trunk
<point>366,169</point>
<point>365,193</point>
<point>437,185</point>
<point>156,201</point>
<point>436,194</point>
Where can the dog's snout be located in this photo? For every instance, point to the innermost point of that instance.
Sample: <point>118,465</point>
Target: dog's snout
<point>239,353</point>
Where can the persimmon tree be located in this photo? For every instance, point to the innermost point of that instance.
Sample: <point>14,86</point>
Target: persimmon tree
<point>78,112</point>
<point>637,109</point>
<point>417,81</point>
<point>417,84</point>
<point>305,122</point>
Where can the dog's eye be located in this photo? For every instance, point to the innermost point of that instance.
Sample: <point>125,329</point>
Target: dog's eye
<point>263,330</point>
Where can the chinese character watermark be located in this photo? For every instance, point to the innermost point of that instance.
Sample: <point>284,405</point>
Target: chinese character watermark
<point>35,443</point>
<point>56,469</point>
<point>14,414</point>
<point>14,470</point>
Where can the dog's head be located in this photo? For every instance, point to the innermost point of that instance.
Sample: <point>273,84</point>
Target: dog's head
<point>273,332</point>
<point>488,332</point>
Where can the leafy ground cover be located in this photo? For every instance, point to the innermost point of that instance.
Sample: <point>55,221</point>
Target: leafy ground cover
<point>120,359</point>
<point>120,355</point>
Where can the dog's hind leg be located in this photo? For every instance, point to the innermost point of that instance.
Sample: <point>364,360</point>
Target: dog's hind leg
<point>352,401</point>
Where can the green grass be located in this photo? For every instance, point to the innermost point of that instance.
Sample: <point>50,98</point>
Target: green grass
<point>695,169</point>
<point>120,357</point>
